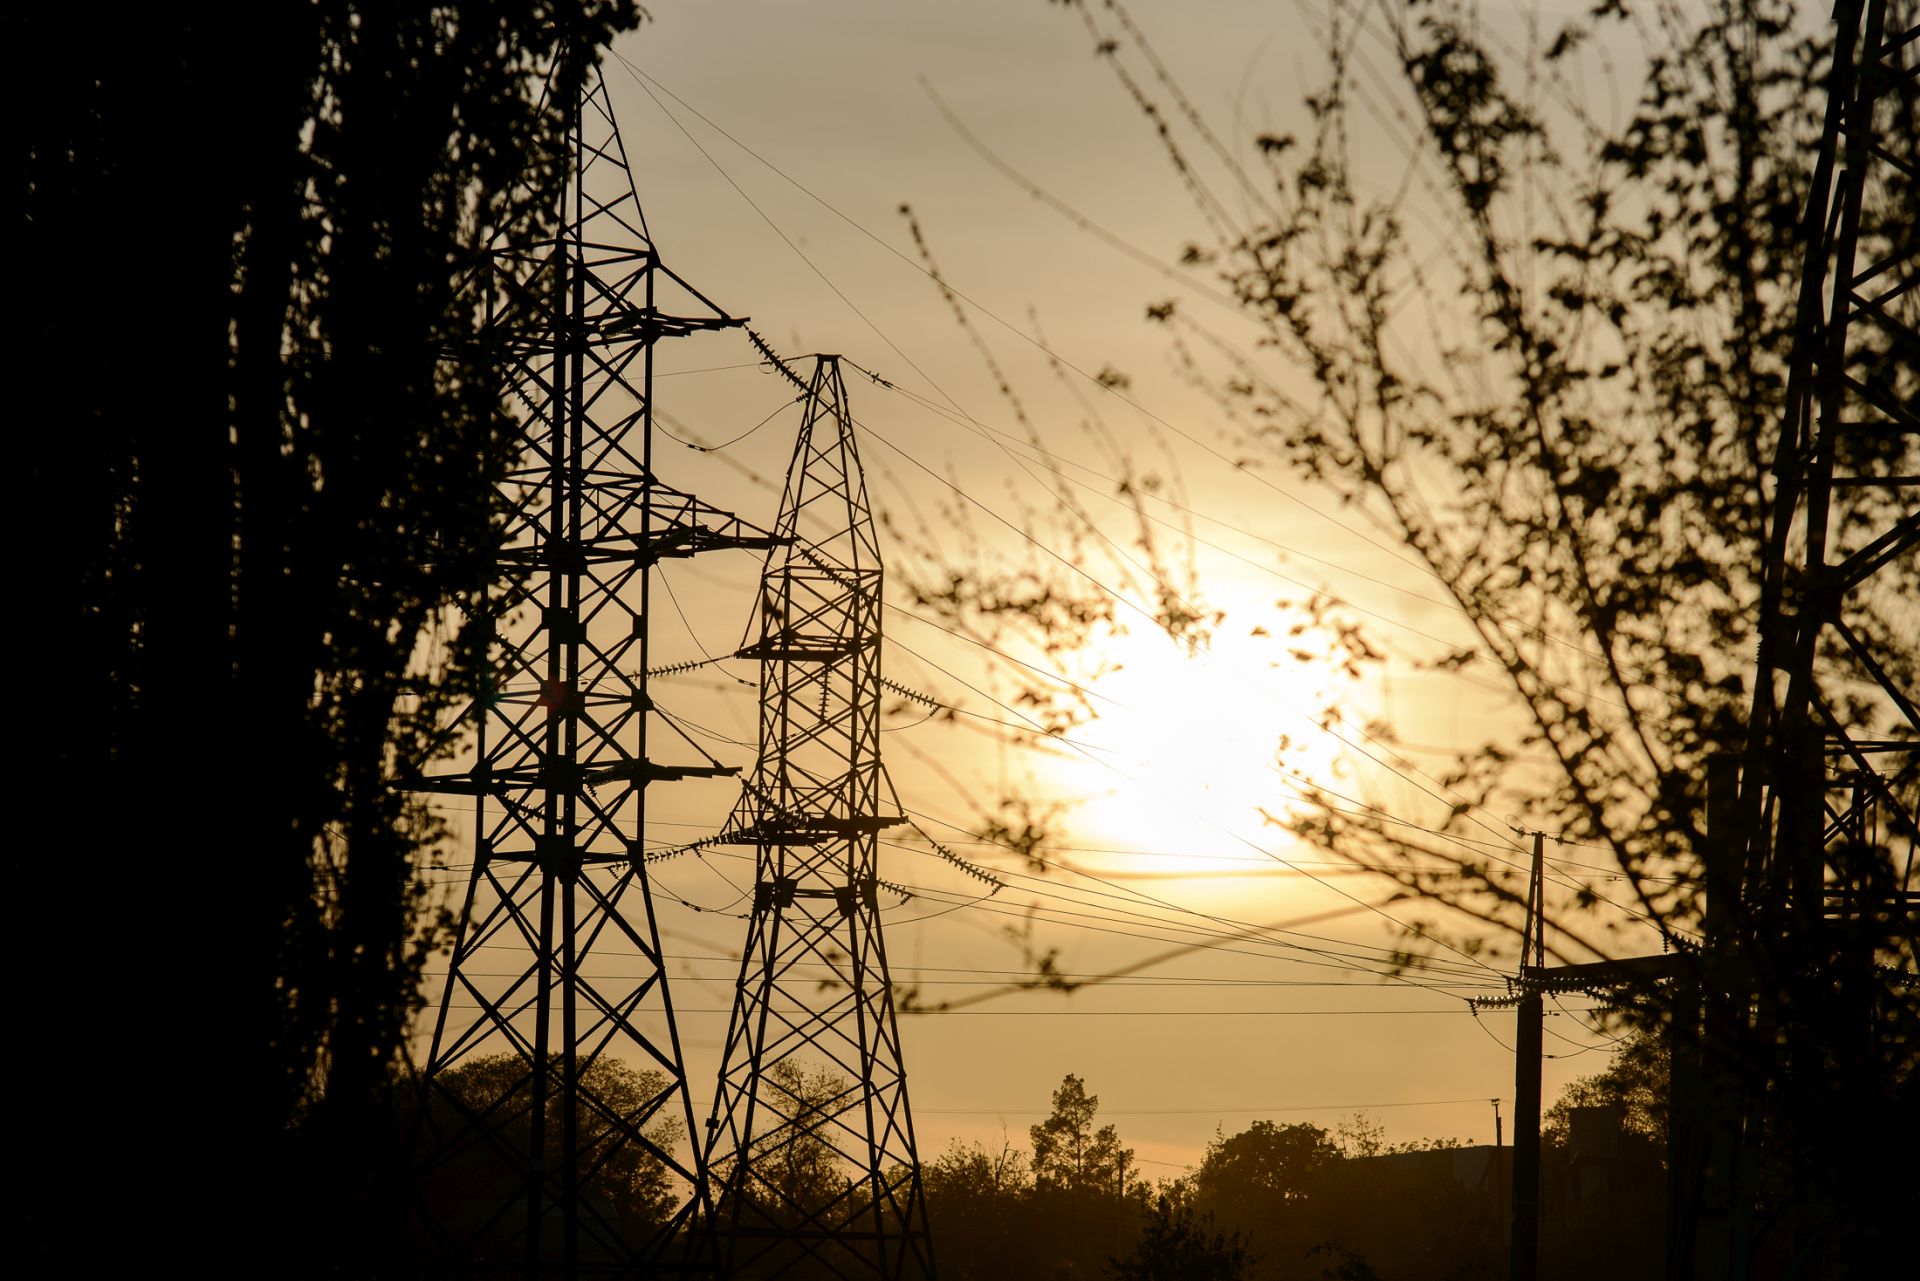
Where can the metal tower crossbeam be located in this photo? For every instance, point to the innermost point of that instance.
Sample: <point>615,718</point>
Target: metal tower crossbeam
<point>1808,1023</point>
<point>556,1123</point>
<point>810,1146</point>
<point>1830,789</point>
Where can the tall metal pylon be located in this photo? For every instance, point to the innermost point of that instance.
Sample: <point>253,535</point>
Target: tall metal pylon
<point>557,1130</point>
<point>1808,959</point>
<point>1835,739</point>
<point>810,1146</point>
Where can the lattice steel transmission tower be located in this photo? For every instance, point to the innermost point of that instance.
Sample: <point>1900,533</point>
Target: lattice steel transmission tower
<point>810,1146</point>
<point>557,1128</point>
<point>1816,958</point>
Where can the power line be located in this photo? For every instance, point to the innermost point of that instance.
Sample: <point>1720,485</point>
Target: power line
<point>988,312</point>
<point>1222,1111</point>
<point>1391,766</point>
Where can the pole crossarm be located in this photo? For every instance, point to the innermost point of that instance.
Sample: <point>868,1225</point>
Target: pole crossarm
<point>1591,976</point>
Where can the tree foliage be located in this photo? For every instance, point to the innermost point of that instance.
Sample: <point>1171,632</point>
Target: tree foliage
<point>1070,1155</point>
<point>1179,1243</point>
<point>1633,1087</point>
<point>620,1176</point>
<point>1579,460</point>
<point>1549,357</point>
<point>979,1200</point>
<point>264,475</point>
<point>1558,381</point>
<point>1277,1202</point>
<point>796,1166</point>
<point>1258,1172</point>
<point>977,1170</point>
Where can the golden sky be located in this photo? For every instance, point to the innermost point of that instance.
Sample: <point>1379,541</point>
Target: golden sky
<point>1161,842</point>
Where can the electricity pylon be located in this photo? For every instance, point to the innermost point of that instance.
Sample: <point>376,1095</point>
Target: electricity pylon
<point>1814,957</point>
<point>557,1127</point>
<point>1835,744</point>
<point>810,1147</point>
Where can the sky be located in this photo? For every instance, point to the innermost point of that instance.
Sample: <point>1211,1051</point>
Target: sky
<point>774,146</point>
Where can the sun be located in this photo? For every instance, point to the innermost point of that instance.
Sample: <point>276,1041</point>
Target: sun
<point>1191,753</point>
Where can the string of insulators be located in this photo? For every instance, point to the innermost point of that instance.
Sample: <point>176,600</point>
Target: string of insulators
<point>674,669</point>
<point>661,856</point>
<point>974,870</point>
<point>780,366</point>
<point>913,695</point>
<point>901,890</point>
<point>520,394</point>
<point>831,571</point>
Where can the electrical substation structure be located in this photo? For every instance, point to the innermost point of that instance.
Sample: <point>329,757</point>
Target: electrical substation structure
<point>1818,878</point>
<point>810,1147</point>
<point>1792,1021</point>
<point>556,1129</point>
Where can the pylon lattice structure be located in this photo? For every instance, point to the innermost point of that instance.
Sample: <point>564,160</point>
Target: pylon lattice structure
<point>810,1146</point>
<point>556,1124</point>
<point>1835,748</point>
<point>1817,953</point>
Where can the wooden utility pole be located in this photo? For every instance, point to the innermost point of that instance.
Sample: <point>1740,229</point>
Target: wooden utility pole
<point>1523,1259</point>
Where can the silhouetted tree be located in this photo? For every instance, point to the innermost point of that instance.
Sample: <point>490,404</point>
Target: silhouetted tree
<point>625,1179</point>
<point>799,1164</point>
<point>977,1170</point>
<point>1633,1086</point>
<point>1180,1243</point>
<point>1603,1167</point>
<point>799,1172</point>
<point>1596,397</point>
<point>1252,1176</point>
<point>261,483</point>
<point>1563,391</point>
<point>979,1199</point>
<point>1273,1202</point>
<point>1069,1155</point>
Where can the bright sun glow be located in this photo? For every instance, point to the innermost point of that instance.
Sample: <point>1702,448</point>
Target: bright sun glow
<point>1189,751</point>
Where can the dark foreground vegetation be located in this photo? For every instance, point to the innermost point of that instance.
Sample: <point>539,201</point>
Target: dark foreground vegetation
<point>255,460</point>
<point>1278,1200</point>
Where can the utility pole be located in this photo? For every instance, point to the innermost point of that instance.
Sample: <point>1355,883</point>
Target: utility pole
<point>811,1145</point>
<point>554,1089</point>
<point>1523,1242</point>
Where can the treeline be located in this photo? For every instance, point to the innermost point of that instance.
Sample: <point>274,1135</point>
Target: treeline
<point>1284,1201</point>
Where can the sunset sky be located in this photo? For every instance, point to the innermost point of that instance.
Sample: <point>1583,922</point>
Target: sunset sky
<point>774,145</point>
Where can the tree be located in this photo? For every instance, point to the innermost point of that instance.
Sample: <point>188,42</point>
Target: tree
<point>975,1170</point>
<point>1069,1155</point>
<point>980,1201</point>
<point>1179,1243</point>
<point>1253,1176</point>
<point>1603,1165</point>
<point>618,1177</point>
<point>1565,402</point>
<point>262,478</point>
<point>1634,1087</point>
<point>800,1161</point>
<point>796,1168</point>
<point>1605,560</point>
